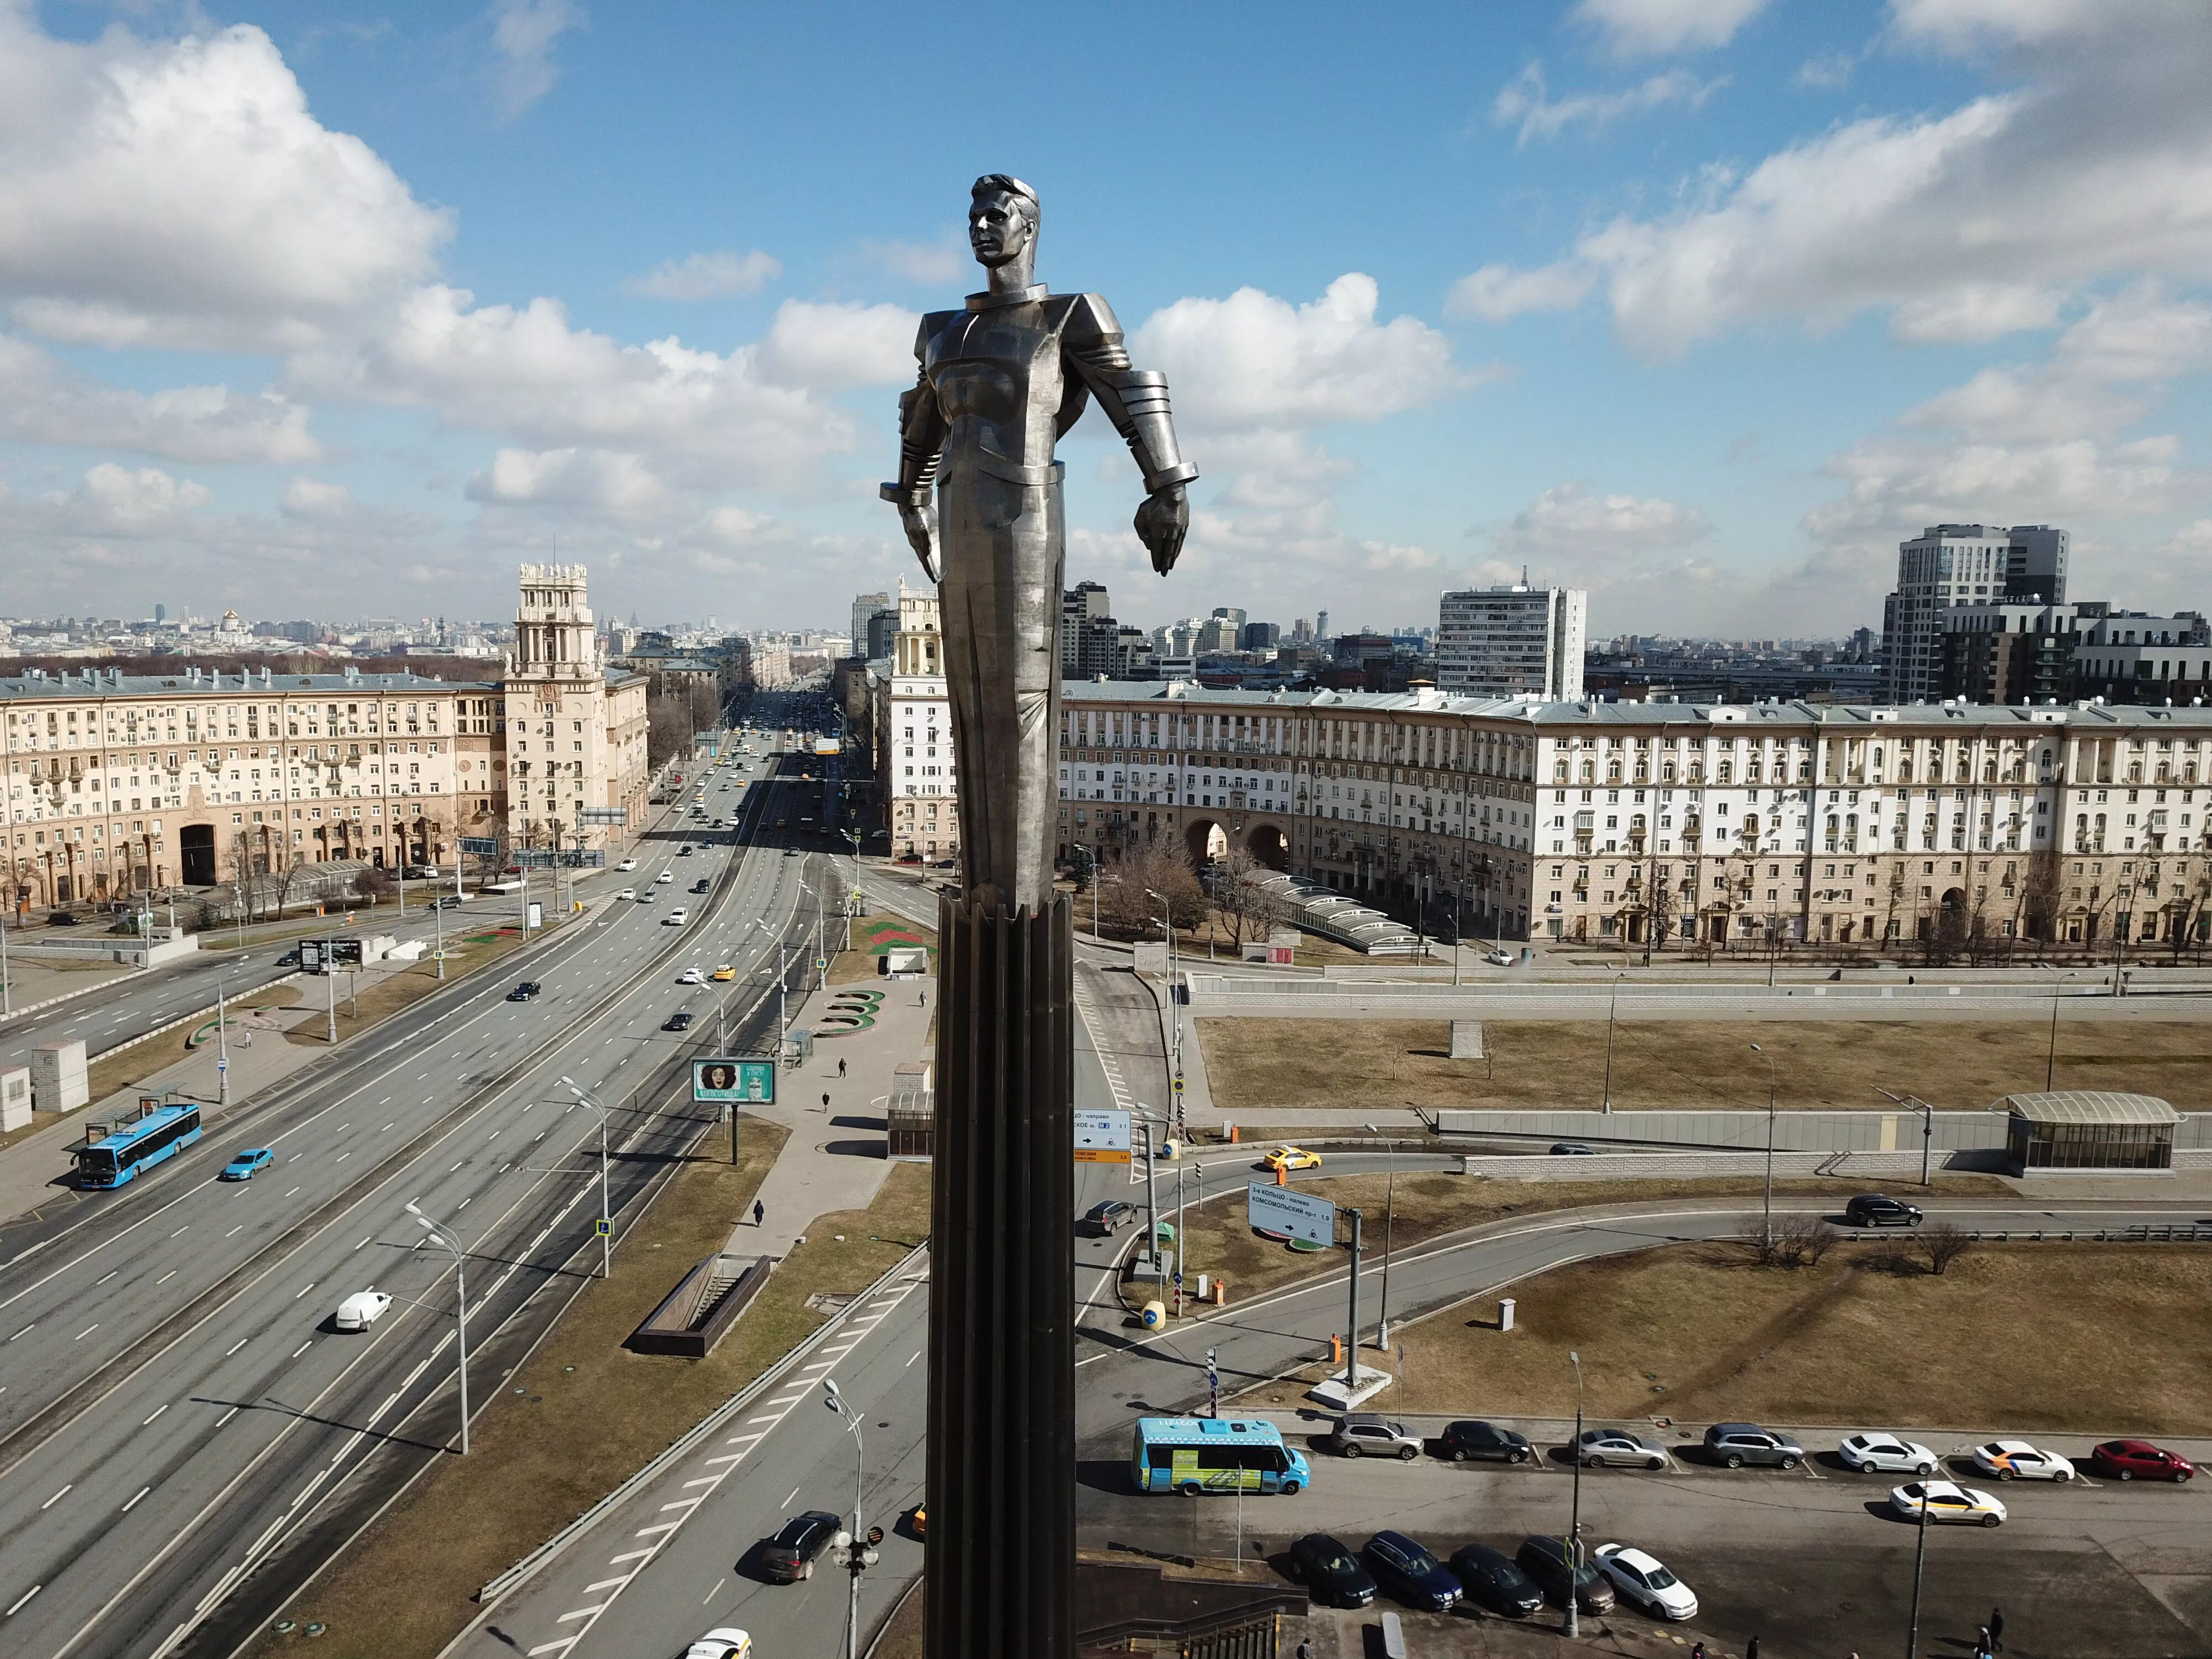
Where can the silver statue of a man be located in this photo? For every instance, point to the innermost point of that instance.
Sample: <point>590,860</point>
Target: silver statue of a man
<point>1001,381</point>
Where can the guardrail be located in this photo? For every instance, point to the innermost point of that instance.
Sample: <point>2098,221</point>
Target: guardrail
<point>553,1547</point>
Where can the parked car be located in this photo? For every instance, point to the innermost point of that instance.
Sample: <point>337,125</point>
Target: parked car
<point>361,1310</point>
<point>1544,1559</point>
<point>242,1167</point>
<point>1879,1210</point>
<point>526,991</point>
<point>1330,1572</point>
<point>2016,1460</point>
<point>1474,1438</point>
<point>1946,1502</point>
<point>1570,1149</point>
<point>2138,1460</point>
<point>790,1555</point>
<point>690,977</point>
<point>61,919</point>
<point>1108,1215</point>
<point>1601,1448</point>
<point>678,1021</point>
<point>1409,1572</point>
<point>1363,1434</point>
<point>726,1642</point>
<point>1499,957</point>
<point>1879,1450</point>
<point>1644,1582</point>
<point>1732,1445</point>
<point>1491,1578</point>
<point>450,901</point>
<point>1292,1157</point>
<point>627,863</point>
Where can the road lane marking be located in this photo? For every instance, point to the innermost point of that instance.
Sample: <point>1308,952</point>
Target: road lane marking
<point>658,1526</point>
<point>58,1497</point>
<point>605,1584</point>
<point>104,1277</point>
<point>234,1231</point>
<point>167,1277</point>
<point>132,1504</point>
<point>917,1354</point>
<point>561,1646</point>
<point>27,1330</point>
<point>226,1417</point>
<point>303,1347</point>
<point>629,1555</point>
<point>787,1502</point>
<point>85,1332</point>
<point>302,1291</point>
<point>158,1410</point>
<point>580,1612</point>
<point>20,1600</point>
<point>680,1503</point>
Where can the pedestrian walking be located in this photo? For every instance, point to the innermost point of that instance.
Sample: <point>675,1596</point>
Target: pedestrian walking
<point>759,1210</point>
<point>1305,1648</point>
<point>825,1103</point>
<point>1982,1648</point>
<point>1752,1650</point>
<point>840,1068</point>
<point>1996,1629</point>
<point>1698,1651</point>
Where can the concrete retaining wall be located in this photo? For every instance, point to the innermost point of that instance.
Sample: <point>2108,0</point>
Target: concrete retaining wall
<point>1818,1132</point>
<point>1633,1166</point>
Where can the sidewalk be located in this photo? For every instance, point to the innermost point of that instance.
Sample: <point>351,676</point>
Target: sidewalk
<point>835,1159</point>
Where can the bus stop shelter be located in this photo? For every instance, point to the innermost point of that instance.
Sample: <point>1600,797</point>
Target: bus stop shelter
<point>2078,1131</point>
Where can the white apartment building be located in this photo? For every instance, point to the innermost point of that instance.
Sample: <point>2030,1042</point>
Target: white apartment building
<point>1512,641</point>
<point>1949,565</point>
<point>919,778</point>
<point>1723,824</point>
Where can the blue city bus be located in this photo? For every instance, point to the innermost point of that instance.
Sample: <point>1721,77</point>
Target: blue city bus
<point>1214,1454</point>
<point>131,1148</point>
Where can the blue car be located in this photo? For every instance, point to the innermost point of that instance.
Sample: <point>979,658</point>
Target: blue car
<point>1409,1572</point>
<point>242,1167</point>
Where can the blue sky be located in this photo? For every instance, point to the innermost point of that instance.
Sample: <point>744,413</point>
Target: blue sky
<point>341,309</point>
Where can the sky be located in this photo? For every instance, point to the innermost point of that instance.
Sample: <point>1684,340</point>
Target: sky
<point>343,309</point>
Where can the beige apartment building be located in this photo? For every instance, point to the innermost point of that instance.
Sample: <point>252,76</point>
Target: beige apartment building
<point>116,785</point>
<point>1723,824</point>
<point>918,780</point>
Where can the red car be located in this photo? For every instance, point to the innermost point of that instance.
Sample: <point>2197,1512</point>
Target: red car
<point>2138,1460</point>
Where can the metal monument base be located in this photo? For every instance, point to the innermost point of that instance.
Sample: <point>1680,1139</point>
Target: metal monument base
<point>1001,1555</point>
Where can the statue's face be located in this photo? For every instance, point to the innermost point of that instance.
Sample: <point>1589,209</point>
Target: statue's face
<point>998,229</point>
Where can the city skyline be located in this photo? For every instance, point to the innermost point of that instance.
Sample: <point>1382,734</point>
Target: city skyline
<point>1589,291</point>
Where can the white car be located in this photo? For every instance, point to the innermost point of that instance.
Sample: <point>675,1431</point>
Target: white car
<point>1946,1502</point>
<point>627,893</point>
<point>1879,1449</point>
<point>1646,1583</point>
<point>690,975</point>
<point>627,863</point>
<point>674,918</point>
<point>1500,958</point>
<point>361,1310</point>
<point>2016,1460</point>
<point>727,1642</point>
<point>1601,1448</point>
<point>665,875</point>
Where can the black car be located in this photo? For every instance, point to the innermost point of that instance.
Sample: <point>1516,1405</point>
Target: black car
<point>790,1555</point>
<point>678,1021</point>
<point>1879,1210</point>
<point>1544,1559</point>
<point>1489,1578</point>
<point>1409,1572</point>
<point>683,852</point>
<point>61,919</point>
<point>1463,1440</point>
<point>1329,1571</point>
<point>290,958</point>
<point>451,902</point>
<point>1108,1215</point>
<point>700,885</point>
<point>524,992</point>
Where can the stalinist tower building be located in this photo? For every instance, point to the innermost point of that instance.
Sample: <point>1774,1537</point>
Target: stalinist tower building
<point>575,732</point>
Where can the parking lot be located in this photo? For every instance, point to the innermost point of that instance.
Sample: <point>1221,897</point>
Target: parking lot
<point>1811,1561</point>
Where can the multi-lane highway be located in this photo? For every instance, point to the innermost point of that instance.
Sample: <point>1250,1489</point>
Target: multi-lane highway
<point>176,1411</point>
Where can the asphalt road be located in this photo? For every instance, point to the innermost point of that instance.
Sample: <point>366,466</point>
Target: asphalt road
<point>177,1410</point>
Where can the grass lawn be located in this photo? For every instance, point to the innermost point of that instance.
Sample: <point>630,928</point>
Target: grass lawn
<point>1534,1064</point>
<point>1430,1206</point>
<point>584,1412</point>
<point>2018,1336</point>
<point>872,938</point>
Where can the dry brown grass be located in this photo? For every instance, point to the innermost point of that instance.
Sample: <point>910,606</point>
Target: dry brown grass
<point>1429,1206</point>
<point>585,1413</point>
<point>2019,1335</point>
<point>1534,1064</point>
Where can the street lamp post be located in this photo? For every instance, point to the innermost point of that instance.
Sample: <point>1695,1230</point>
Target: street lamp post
<point>1389,1220</point>
<point>1612,1007</point>
<point>1575,1519</point>
<point>1766,1227</point>
<point>606,1215</point>
<point>860,1556</point>
<point>1166,919</point>
<point>7,996</point>
<point>1919,1568</point>
<point>461,1307</point>
<point>221,1049</point>
<point>2050,1059</point>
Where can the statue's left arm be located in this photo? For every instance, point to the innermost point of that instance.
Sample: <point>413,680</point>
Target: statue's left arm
<point>923,430</point>
<point>1136,401</point>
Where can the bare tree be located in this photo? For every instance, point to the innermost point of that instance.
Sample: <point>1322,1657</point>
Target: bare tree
<point>1942,1243</point>
<point>1239,901</point>
<point>1792,1241</point>
<point>1161,866</point>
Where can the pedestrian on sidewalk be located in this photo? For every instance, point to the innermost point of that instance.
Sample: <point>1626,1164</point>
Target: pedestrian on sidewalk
<point>840,1068</point>
<point>825,1103</point>
<point>1751,1651</point>
<point>1698,1651</point>
<point>1982,1648</point>
<point>1996,1629</point>
<point>759,1210</point>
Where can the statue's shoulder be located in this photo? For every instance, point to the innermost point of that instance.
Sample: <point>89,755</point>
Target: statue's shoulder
<point>1087,319</point>
<point>933,323</point>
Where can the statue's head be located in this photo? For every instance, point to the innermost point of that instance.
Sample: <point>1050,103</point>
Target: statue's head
<point>1002,219</point>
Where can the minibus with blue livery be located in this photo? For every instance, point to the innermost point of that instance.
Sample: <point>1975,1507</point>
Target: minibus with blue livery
<point>1193,1454</point>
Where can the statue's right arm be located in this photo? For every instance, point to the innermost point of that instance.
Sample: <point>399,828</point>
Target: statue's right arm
<point>923,430</point>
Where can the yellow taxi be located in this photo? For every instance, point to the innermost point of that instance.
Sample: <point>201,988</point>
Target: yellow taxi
<point>724,974</point>
<point>1293,1157</point>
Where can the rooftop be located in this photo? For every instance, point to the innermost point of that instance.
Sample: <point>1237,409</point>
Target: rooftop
<point>2088,1106</point>
<point>94,682</point>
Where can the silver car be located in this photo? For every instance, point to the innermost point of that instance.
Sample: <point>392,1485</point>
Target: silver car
<point>1602,1448</point>
<point>1363,1434</point>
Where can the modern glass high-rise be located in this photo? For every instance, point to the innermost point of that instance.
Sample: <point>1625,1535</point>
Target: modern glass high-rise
<point>1950,565</point>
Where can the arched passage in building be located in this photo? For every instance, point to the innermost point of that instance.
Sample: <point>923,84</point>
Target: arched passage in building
<point>196,844</point>
<point>1267,844</point>
<point>1206,840</point>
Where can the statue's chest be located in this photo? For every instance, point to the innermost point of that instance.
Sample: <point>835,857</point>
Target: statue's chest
<point>997,364</point>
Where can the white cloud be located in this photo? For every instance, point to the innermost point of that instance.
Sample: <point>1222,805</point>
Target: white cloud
<point>1569,522</point>
<point>46,402</point>
<point>1635,28</point>
<point>523,34</point>
<point>925,263</point>
<point>313,498</point>
<point>1828,71</point>
<point>598,482</point>
<point>717,276</point>
<point>1964,223</point>
<point>1525,101</point>
<point>179,193</point>
<point>1255,362</point>
<point>822,345</point>
<point>1497,294</point>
